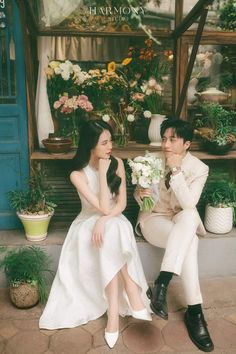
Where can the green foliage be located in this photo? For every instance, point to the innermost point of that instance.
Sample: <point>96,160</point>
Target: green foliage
<point>27,264</point>
<point>227,16</point>
<point>220,194</point>
<point>36,199</point>
<point>219,121</point>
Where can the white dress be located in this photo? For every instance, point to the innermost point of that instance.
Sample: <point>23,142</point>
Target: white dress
<point>78,290</point>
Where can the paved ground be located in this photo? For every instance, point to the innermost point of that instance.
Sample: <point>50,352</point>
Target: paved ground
<point>19,333</point>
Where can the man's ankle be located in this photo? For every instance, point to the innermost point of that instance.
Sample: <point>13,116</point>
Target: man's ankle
<point>195,309</point>
<point>164,278</point>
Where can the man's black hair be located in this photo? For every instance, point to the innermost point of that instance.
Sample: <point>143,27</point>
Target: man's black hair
<point>182,128</point>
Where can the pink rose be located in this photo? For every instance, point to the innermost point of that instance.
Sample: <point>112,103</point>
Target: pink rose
<point>63,99</point>
<point>56,104</point>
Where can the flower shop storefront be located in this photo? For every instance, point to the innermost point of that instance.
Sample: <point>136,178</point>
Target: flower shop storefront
<point>126,65</point>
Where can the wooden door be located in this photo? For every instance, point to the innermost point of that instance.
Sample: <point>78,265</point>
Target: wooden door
<point>14,164</point>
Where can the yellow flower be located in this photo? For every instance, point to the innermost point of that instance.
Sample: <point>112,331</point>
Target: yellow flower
<point>49,72</point>
<point>111,66</point>
<point>126,61</point>
<point>54,64</point>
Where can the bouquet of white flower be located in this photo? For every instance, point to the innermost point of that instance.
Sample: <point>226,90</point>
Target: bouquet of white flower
<point>147,172</point>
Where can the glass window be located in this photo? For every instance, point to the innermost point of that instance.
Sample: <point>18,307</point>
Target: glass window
<point>214,69</point>
<point>89,16</point>
<point>7,55</point>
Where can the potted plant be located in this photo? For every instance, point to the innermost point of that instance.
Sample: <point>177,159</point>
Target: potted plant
<point>215,128</point>
<point>227,16</point>
<point>34,206</point>
<point>220,199</point>
<point>25,269</point>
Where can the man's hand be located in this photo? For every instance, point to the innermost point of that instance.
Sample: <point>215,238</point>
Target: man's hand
<point>175,160</point>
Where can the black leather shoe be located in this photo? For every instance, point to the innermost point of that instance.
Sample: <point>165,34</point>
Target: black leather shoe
<point>198,332</point>
<point>158,300</point>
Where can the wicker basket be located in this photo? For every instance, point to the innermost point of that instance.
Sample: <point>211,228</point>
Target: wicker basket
<point>24,295</point>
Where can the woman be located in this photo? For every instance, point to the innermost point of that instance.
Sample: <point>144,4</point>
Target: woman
<point>99,268</point>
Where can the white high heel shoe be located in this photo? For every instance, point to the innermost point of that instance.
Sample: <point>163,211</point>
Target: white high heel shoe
<point>111,338</point>
<point>141,314</point>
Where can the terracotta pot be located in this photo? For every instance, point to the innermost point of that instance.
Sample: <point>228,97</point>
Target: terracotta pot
<point>57,145</point>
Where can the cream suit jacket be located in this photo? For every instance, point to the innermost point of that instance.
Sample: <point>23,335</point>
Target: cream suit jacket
<point>184,193</point>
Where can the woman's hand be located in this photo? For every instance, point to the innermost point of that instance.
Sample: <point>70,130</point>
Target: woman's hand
<point>103,165</point>
<point>143,192</point>
<point>98,232</point>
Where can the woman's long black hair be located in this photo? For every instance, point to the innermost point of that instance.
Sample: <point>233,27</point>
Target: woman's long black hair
<point>89,135</point>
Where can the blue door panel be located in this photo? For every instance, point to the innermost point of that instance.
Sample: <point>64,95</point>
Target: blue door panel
<point>10,167</point>
<point>14,157</point>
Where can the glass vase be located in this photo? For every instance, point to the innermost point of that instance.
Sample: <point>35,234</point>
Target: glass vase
<point>74,132</point>
<point>121,135</point>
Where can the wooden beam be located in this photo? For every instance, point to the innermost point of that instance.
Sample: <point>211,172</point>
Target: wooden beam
<point>191,17</point>
<point>176,51</point>
<point>191,62</point>
<point>30,19</point>
<point>30,81</point>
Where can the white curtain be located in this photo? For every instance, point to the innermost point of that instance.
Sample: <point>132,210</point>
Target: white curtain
<point>55,11</point>
<point>43,113</point>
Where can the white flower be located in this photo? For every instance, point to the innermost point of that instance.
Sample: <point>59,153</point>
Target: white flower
<point>147,114</point>
<point>130,118</point>
<point>143,182</point>
<point>152,82</point>
<point>106,117</point>
<point>148,92</point>
<point>130,109</point>
<point>76,69</point>
<point>147,172</point>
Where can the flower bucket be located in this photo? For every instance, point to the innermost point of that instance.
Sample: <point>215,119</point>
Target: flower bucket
<point>36,226</point>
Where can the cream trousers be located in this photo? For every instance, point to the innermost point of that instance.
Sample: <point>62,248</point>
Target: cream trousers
<point>178,236</point>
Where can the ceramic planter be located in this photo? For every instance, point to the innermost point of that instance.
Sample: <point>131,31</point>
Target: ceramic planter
<point>213,95</point>
<point>154,129</point>
<point>218,220</point>
<point>215,149</point>
<point>36,226</point>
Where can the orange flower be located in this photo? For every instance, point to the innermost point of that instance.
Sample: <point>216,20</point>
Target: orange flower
<point>149,42</point>
<point>111,66</point>
<point>126,61</point>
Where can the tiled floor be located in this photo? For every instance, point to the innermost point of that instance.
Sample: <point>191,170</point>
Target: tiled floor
<point>19,333</point>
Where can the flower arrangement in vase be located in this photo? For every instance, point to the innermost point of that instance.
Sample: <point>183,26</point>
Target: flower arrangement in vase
<point>70,108</point>
<point>147,71</point>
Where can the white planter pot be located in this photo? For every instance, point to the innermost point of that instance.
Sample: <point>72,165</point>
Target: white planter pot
<point>154,129</point>
<point>36,226</point>
<point>218,220</point>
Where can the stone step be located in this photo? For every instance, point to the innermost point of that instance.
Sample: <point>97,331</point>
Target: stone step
<point>216,252</point>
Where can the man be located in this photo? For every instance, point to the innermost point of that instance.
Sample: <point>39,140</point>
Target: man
<point>174,224</point>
